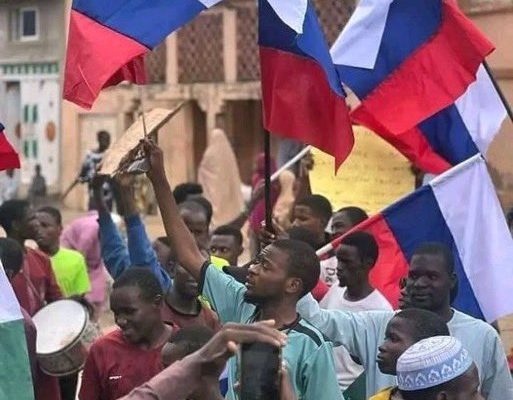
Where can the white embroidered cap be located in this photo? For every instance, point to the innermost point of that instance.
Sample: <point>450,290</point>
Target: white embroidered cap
<point>431,362</point>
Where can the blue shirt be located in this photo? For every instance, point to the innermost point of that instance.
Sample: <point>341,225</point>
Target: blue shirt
<point>309,357</point>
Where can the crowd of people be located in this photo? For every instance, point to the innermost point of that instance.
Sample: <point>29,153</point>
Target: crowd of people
<point>185,303</point>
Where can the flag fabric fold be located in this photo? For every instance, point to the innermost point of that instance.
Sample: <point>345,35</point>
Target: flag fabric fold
<point>108,40</point>
<point>461,210</point>
<point>15,372</point>
<point>9,158</point>
<point>428,55</point>
<point>303,98</point>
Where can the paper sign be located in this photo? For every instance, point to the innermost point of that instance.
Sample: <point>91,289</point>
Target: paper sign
<point>127,145</point>
<point>374,176</point>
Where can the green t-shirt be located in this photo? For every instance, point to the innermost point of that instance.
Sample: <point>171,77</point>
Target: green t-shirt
<point>309,357</point>
<point>70,269</point>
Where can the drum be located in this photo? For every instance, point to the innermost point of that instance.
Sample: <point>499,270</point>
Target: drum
<point>64,335</point>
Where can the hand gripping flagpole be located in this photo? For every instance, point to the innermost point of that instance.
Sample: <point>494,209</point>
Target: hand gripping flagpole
<point>499,91</point>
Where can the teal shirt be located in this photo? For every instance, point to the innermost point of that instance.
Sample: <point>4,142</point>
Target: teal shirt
<point>361,333</point>
<point>308,356</point>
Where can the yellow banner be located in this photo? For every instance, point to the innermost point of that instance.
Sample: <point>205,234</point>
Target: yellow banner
<point>373,177</point>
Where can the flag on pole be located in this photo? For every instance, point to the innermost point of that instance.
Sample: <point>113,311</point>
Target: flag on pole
<point>107,41</point>
<point>303,98</point>
<point>454,134</point>
<point>461,210</point>
<point>415,58</point>
<point>15,375</point>
<point>9,158</point>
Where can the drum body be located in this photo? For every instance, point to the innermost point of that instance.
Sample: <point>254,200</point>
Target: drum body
<point>64,335</point>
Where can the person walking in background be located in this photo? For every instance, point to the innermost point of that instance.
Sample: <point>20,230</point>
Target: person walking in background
<point>37,190</point>
<point>9,188</point>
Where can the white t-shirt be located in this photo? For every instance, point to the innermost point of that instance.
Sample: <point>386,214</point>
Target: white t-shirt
<point>329,271</point>
<point>347,370</point>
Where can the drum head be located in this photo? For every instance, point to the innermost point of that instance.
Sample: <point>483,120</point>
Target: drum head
<point>59,324</point>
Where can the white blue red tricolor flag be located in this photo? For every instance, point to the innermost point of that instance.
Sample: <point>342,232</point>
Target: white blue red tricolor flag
<point>461,210</point>
<point>9,158</point>
<point>303,98</point>
<point>412,63</point>
<point>108,40</point>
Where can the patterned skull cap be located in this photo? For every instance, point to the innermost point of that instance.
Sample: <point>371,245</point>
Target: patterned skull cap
<point>431,362</point>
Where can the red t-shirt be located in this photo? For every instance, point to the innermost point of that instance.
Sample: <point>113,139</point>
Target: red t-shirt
<point>205,317</point>
<point>114,367</point>
<point>35,284</point>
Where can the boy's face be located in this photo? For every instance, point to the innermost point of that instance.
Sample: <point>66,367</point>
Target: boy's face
<point>305,218</point>
<point>398,338</point>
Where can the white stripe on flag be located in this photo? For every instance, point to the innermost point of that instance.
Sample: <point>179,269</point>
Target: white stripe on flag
<point>291,12</point>
<point>9,307</point>
<point>209,3</point>
<point>481,110</point>
<point>358,43</point>
<point>471,209</point>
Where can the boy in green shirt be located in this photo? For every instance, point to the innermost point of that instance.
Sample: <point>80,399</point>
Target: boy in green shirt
<point>283,273</point>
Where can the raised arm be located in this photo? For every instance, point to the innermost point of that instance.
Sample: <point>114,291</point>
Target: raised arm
<point>189,255</point>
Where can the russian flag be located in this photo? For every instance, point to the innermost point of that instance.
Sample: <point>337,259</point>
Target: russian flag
<point>408,59</point>
<point>453,134</point>
<point>107,41</point>
<point>303,98</point>
<point>461,210</point>
<point>9,158</point>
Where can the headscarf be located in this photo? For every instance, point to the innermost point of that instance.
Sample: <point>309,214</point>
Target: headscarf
<point>258,214</point>
<point>219,175</point>
<point>82,235</point>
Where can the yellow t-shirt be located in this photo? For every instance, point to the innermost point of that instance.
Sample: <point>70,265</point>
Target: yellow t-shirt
<point>70,269</point>
<point>385,394</point>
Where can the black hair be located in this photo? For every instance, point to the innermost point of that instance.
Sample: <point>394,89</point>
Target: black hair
<point>355,214</point>
<point>365,243</point>
<point>164,240</point>
<point>183,190</point>
<point>424,324</point>
<point>192,338</point>
<point>11,254</point>
<point>207,205</point>
<point>229,230</point>
<point>53,212</point>
<point>509,217</point>
<point>102,133</point>
<point>303,262</point>
<point>194,207</point>
<point>437,249</point>
<point>320,206</point>
<point>303,235</point>
<point>12,210</point>
<point>141,278</point>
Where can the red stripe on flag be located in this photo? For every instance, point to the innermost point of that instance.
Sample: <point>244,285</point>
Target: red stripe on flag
<point>433,77</point>
<point>9,158</point>
<point>98,57</point>
<point>412,144</point>
<point>299,103</point>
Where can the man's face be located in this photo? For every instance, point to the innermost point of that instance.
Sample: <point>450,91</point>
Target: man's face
<point>350,265</point>
<point>268,277</point>
<point>184,283</point>
<point>305,218</point>
<point>465,387</point>
<point>135,316</point>
<point>340,224</point>
<point>429,283</point>
<point>398,339</point>
<point>28,227</point>
<point>103,142</point>
<point>197,224</point>
<point>164,254</point>
<point>49,231</point>
<point>225,246</point>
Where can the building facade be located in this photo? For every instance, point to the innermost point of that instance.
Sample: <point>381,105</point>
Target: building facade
<point>31,50</point>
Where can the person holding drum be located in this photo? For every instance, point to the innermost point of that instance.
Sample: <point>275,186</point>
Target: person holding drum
<point>70,269</point>
<point>131,355</point>
<point>46,387</point>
